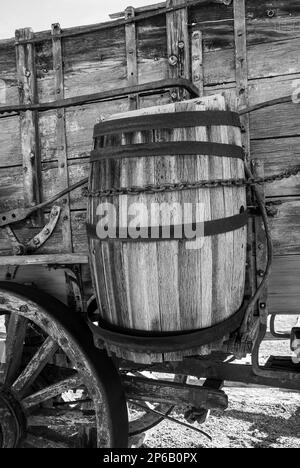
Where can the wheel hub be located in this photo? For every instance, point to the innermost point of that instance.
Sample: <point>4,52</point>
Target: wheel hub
<point>12,419</point>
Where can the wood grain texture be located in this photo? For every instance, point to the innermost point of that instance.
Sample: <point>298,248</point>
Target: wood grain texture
<point>26,73</point>
<point>172,285</point>
<point>61,140</point>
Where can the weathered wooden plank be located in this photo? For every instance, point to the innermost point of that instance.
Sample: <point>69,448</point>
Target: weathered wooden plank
<point>28,120</point>
<point>197,61</point>
<point>178,42</point>
<point>95,62</point>
<point>284,294</point>
<point>174,393</point>
<point>131,56</point>
<point>51,259</point>
<point>61,140</point>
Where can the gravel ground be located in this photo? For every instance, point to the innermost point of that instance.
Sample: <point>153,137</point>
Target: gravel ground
<point>256,418</point>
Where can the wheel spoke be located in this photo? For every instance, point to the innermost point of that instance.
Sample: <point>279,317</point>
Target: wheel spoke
<point>52,391</point>
<point>14,344</point>
<point>35,366</point>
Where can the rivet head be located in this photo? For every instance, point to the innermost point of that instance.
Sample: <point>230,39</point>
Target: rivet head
<point>181,45</point>
<point>263,305</point>
<point>261,273</point>
<point>173,60</point>
<point>24,308</point>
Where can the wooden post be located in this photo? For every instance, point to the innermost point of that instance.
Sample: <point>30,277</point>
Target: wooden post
<point>63,175</point>
<point>241,63</point>
<point>131,55</point>
<point>26,73</point>
<point>197,61</point>
<point>261,247</point>
<point>178,43</point>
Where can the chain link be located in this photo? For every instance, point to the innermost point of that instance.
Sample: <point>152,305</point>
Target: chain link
<point>203,184</point>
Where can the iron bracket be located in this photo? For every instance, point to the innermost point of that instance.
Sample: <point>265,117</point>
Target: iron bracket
<point>38,240</point>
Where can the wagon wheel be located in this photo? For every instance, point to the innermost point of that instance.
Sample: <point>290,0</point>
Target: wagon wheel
<point>139,421</point>
<point>25,407</point>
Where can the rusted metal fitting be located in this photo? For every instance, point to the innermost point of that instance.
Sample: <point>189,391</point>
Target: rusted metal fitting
<point>261,273</point>
<point>24,308</point>
<point>173,60</point>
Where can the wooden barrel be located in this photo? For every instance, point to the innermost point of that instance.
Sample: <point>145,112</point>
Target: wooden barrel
<point>167,288</point>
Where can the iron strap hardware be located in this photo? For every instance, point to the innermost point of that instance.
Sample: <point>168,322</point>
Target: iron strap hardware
<point>175,232</point>
<point>165,342</point>
<point>168,149</point>
<point>167,120</point>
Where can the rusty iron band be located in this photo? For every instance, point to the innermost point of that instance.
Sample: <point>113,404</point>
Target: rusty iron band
<point>176,148</point>
<point>167,120</point>
<point>165,342</point>
<point>176,232</point>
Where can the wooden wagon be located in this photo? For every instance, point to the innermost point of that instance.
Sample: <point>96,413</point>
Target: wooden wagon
<point>54,87</point>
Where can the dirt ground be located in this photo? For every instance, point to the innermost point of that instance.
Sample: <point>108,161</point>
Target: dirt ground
<point>256,418</point>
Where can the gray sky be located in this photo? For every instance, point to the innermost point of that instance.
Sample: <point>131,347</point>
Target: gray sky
<point>40,14</point>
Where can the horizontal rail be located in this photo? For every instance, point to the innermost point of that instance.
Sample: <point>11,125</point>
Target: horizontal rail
<point>51,259</point>
<point>160,10</point>
<point>147,88</point>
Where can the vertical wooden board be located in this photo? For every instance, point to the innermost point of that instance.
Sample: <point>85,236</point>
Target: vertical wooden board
<point>45,70</point>
<point>63,175</point>
<point>197,61</point>
<point>152,49</point>
<point>242,93</point>
<point>178,42</point>
<point>131,55</point>
<point>28,120</point>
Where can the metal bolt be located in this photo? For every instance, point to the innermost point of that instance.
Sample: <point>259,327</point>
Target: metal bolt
<point>58,91</point>
<point>174,95</point>
<point>263,305</point>
<point>261,273</point>
<point>23,308</point>
<point>181,45</point>
<point>65,218</point>
<point>173,60</point>
<point>271,13</point>
<point>27,73</point>
<point>18,250</point>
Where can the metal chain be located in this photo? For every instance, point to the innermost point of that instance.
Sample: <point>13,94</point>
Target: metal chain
<point>203,184</point>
